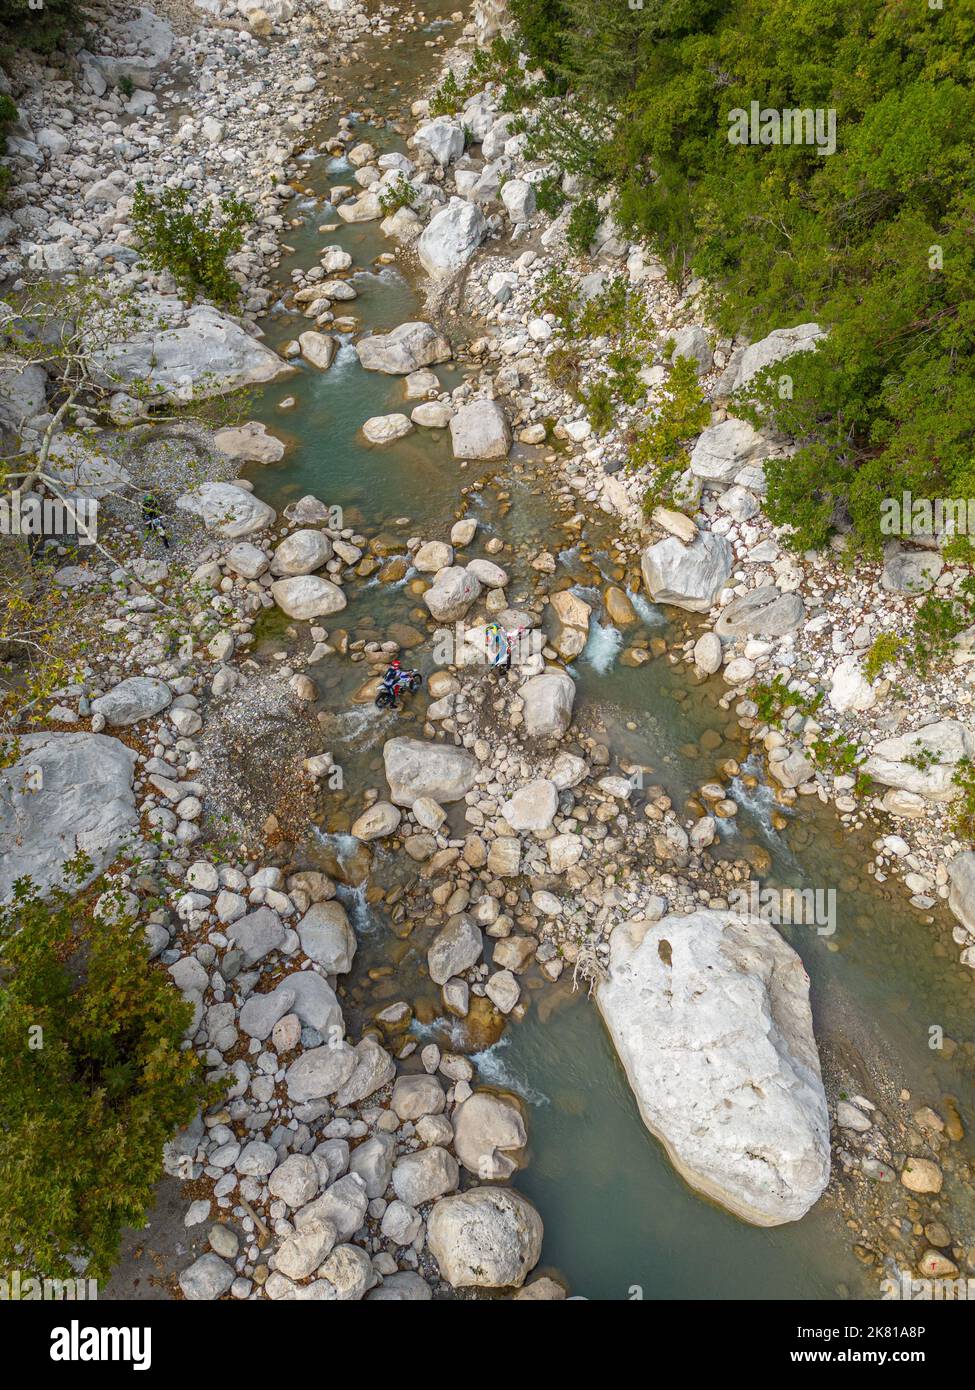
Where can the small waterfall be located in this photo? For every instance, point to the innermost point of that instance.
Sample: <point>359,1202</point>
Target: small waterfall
<point>648,613</point>
<point>603,646</point>
<point>364,920</point>
<point>495,1070</point>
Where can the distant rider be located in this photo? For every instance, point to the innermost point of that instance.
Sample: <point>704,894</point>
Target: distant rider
<point>152,522</point>
<point>500,643</point>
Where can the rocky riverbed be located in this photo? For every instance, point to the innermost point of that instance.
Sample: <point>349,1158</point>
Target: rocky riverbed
<point>352,1158</point>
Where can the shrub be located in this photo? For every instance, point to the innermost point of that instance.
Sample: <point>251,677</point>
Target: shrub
<point>400,193</point>
<point>885,649</point>
<point>549,196</point>
<point>93,1079</point>
<point>583,225</point>
<point>661,445</point>
<point>188,243</point>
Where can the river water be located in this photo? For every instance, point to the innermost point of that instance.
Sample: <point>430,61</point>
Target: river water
<point>619,1223</point>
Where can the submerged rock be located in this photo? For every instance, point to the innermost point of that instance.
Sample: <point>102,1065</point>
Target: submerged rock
<point>710,1016</point>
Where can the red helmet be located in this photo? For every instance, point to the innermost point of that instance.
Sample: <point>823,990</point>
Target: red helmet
<point>394,662</point>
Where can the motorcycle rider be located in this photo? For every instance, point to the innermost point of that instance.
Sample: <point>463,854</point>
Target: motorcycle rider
<point>152,519</point>
<point>501,641</point>
<point>392,679</point>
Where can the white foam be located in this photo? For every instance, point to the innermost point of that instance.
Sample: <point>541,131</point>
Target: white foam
<point>604,643</point>
<point>648,612</point>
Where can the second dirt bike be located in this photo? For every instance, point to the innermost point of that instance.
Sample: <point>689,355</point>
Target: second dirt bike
<point>407,684</point>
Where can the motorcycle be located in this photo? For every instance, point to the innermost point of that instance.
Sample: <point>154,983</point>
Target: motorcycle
<point>408,683</point>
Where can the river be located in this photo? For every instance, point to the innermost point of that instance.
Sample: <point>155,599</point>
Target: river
<point>619,1222</point>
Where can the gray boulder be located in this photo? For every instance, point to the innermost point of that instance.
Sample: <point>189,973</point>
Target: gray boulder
<point>452,593</point>
<point>301,553</point>
<point>137,698</point>
<point>416,768</point>
<point>404,350</point>
<point>961,895</point>
<point>780,344</point>
<point>910,571</point>
<point>208,355</point>
<point>765,612</point>
<point>687,576</point>
<point>307,596</point>
<point>487,1238</point>
<point>548,699</point>
<point>451,237</point>
<point>456,947</point>
<point>723,450</point>
<point>480,430</point>
<point>938,748</point>
<point>207,1278</point>
<point>226,510</point>
<point>327,938</point>
<point>66,792</point>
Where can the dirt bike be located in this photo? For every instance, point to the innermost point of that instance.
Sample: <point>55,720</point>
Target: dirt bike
<point>408,683</point>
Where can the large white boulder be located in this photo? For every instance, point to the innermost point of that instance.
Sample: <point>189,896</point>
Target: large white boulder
<point>415,768</point>
<point>452,593</point>
<point>723,450</point>
<point>533,806</point>
<point>66,792</point>
<point>849,688</point>
<point>443,137</point>
<point>687,576</point>
<point>308,596</point>
<point>924,761</point>
<point>487,1238</point>
<point>480,430</point>
<point>961,896</point>
<point>404,350</point>
<point>226,510</point>
<point>207,355</point>
<point>548,700</point>
<point>451,237</point>
<point>709,1014</point>
<point>302,552</point>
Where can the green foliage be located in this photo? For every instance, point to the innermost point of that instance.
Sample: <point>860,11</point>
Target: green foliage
<point>661,445</point>
<point>541,24</point>
<point>8,114</point>
<point>885,649</point>
<point>963,818</point>
<point>937,623</point>
<point>125,85</point>
<point>549,196</point>
<point>598,401</point>
<point>583,224</point>
<point>617,313</point>
<point>93,1080</point>
<point>448,98</point>
<point>875,241</point>
<point>40,28</point>
<point>189,243</point>
<point>400,193</point>
<point>777,703</point>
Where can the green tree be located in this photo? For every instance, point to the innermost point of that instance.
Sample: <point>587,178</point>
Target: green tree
<point>93,1079</point>
<point>189,242</point>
